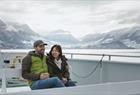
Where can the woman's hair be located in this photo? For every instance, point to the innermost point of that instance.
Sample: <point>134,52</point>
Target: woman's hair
<point>58,47</point>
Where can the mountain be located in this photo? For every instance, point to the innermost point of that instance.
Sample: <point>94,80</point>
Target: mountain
<point>125,38</point>
<point>62,37</point>
<point>16,35</point>
<point>2,24</point>
<point>23,28</point>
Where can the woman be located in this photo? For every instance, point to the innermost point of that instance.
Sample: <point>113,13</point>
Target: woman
<point>58,66</point>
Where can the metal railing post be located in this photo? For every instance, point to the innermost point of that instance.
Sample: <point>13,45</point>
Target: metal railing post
<point>101,69</point>
<point>109,58</point>
<point>101,73</point>
<point>71,56</point>
<point>3,86</point>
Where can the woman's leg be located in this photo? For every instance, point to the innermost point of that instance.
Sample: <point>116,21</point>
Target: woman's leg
<point>47,83</point>
<point>70,83</point>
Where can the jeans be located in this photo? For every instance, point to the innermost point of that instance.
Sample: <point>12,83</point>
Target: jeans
<point>53,82</point>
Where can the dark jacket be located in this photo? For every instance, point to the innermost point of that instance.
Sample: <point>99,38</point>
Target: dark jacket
<point>26,67</point>
<point>55,71</point>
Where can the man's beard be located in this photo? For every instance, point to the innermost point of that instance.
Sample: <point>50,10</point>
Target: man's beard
<point>41,52</point>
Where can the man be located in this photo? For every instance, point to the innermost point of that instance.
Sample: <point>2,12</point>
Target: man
<point>35,69</point>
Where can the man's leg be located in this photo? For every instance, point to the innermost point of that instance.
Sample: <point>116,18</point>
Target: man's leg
<point>47,83</point>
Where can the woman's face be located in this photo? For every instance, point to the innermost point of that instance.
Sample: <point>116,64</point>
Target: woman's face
<point>55,53</point>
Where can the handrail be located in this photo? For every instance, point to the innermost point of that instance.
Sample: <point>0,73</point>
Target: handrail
<point>93,54</point>
<point>109,55</point>
<point>117,55</point>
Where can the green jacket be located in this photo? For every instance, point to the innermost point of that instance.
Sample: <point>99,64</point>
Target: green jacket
<point>32,66</point>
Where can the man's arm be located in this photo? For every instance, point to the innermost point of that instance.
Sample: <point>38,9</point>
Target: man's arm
<point>26,69</point>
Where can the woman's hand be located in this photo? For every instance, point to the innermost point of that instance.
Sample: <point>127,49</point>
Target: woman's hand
<point>64,80</point>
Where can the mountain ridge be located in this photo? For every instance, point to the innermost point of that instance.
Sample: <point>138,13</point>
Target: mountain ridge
<point>15,35</point>
<point>121,38</point>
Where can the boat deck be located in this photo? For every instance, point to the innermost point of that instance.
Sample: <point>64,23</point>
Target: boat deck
<point>115,88</point>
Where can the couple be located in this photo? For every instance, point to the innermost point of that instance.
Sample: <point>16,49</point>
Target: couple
<point>43,71</point>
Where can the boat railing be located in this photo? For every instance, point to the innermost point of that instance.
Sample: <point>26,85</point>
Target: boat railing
<point>109,56</point>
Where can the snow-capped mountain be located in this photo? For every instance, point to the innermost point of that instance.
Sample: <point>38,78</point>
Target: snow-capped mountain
<point>16,36</point>
<point>117,39</point>
<point>62,37</point>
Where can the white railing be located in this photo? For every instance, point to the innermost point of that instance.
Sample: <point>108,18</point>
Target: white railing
<point>8,73</point>
<point>108,55</point>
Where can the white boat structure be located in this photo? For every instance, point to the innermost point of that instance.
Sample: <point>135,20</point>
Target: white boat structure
<point>102,74</point>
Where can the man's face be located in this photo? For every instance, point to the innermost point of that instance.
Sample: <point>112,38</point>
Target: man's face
<point>40,49</point>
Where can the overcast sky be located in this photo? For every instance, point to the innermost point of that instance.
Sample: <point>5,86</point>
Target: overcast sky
<point>79,17</point>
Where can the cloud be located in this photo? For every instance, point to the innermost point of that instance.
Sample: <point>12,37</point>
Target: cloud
<point>76,16</point>
<point>12,7</point>
<point>117,14</point>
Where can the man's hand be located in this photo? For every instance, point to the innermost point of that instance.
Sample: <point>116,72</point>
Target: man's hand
<point>44,75</point>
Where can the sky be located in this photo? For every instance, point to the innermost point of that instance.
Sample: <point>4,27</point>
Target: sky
<point>79,17</point>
